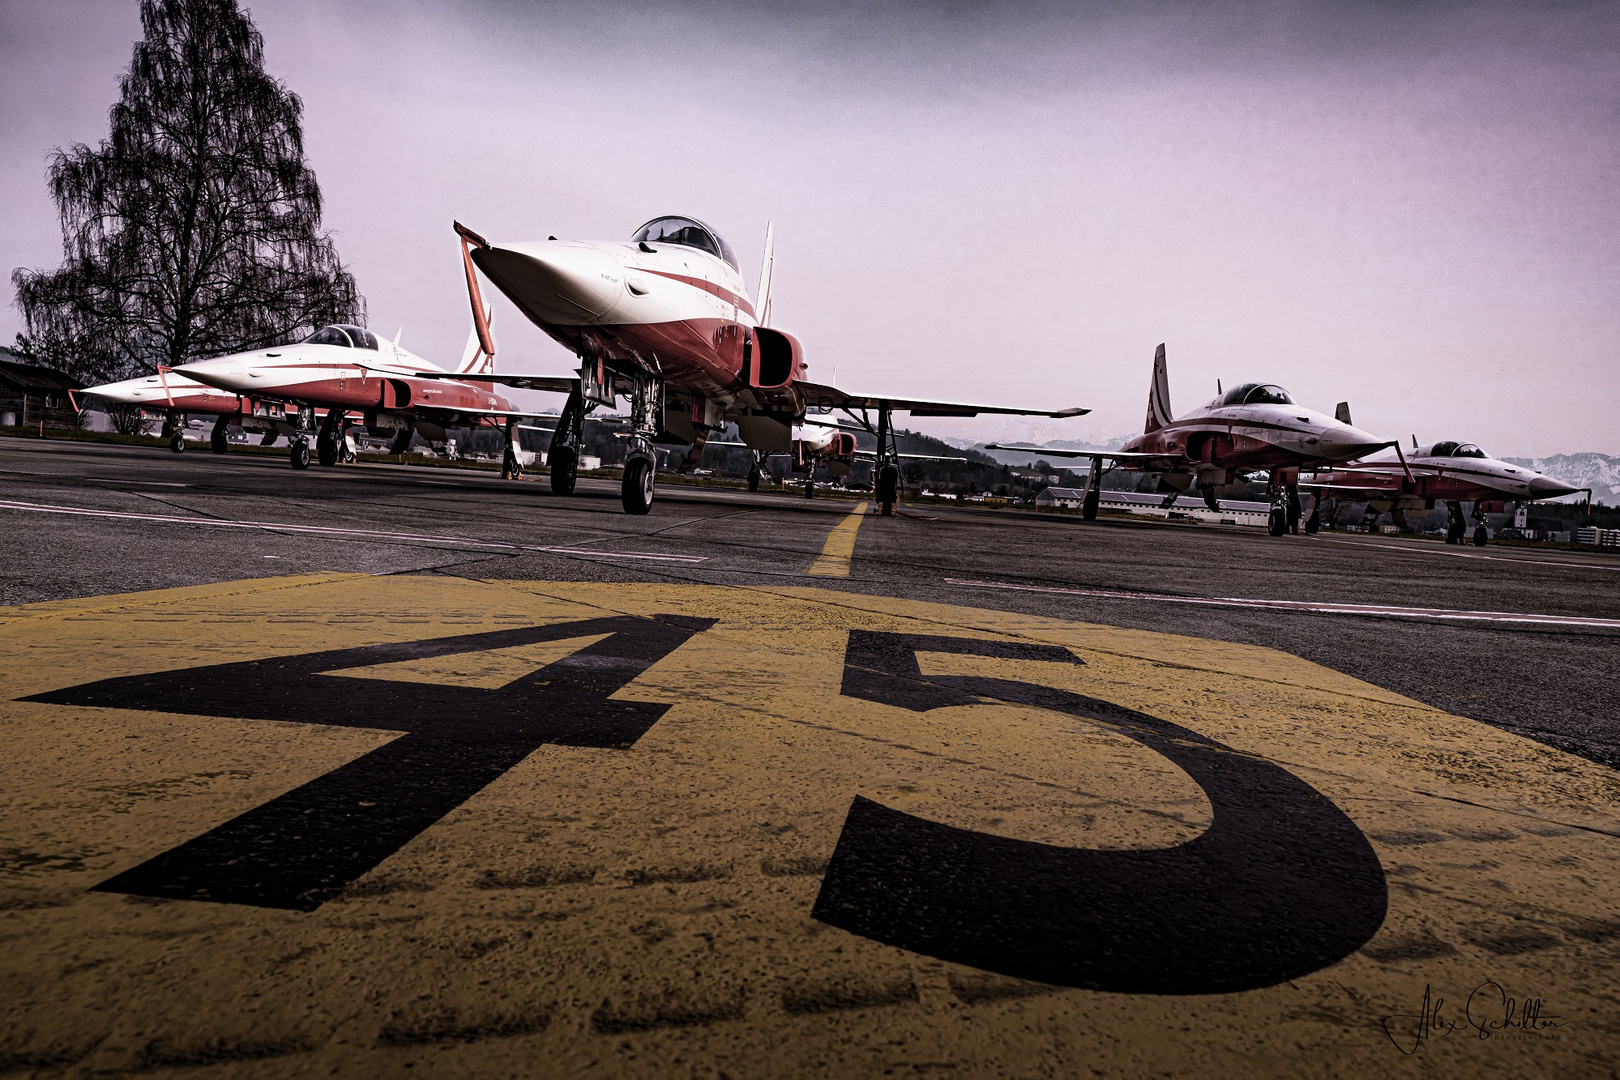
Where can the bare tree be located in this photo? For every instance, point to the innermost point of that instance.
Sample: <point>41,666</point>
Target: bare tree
<point>195,228</point>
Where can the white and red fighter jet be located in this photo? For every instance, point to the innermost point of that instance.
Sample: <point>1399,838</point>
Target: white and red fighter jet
<point>664,319</point>
<point>823,444</point>
<point>1449,472</point>
<point>174,396</point>
<point>1252,428</point>
<point>340,371</point>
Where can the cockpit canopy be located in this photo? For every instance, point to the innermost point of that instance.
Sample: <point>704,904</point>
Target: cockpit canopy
<point>349,337</point>
<point>688,232</point>
<point>1456,449</point>
<point>1256,394</point>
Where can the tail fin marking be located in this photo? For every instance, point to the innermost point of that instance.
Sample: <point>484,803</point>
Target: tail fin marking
<point>1158,410</point>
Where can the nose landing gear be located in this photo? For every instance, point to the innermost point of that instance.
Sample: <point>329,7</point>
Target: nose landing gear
<point>646,407</point>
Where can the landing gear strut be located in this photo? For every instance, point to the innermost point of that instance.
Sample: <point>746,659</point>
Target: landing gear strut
<point>646,409</point>
<point>1481,536</point>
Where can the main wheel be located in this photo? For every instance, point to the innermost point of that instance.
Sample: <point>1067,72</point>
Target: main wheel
<point>1454,534</point>
<point>1088,506</point>
<point>753,480</point>
<point>637,493</point>
<point>177,442</point>
<point>1277,522</point>
<point>326,451</point>
<point>810,488</point>
<point>564,462</point>
<point>298,453</point>
<point>217,442</point>
<point>1480,537</point>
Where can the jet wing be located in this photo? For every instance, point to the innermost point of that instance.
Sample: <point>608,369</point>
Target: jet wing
<point>872,455</point>
<point>557,384</point>
<point>819,395</point>
<point>1169,461</point>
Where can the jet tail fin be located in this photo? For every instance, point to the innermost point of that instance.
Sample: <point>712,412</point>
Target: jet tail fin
<point>1158,411</point>
<point>762,299</point>
<point>1341,413</point>
<point>474,360</point>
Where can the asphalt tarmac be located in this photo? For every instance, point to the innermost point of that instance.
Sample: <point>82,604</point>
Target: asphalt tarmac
<point>375,768</point>
<point>1549,682</point>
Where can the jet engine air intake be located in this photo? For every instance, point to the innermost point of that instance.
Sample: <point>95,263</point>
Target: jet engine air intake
<point>842,445</point>
<point>778,359</point>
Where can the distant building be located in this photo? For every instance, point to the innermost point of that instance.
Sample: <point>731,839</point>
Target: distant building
<point>31,395</point>
<point>1062,498</point>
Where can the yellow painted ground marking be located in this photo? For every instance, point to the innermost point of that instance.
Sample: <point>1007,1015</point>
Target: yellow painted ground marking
<point>840,546</point>
<point>605,910</point>
<point>485,670</point>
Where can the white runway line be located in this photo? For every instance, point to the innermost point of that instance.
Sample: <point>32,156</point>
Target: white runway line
<point>1463,554</point>
<point>326,530</point>
<point>1311,606</point>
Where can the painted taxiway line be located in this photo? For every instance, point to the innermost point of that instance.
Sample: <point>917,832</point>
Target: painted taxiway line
<point>1308,605</point>
<point>840,546</point>
<point>328,530</point>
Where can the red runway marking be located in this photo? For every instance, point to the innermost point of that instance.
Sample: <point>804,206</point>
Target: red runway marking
<point>1308,605</point>
<point>326,530</point>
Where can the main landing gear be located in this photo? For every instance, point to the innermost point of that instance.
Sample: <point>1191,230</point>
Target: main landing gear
<point>754,477</point>
<point>1481,537</point>
<point>1093,496</point>
<point>511,467</point>
<point>1313,523</point>
<point>174,427</point>
<point>1456,524</point>
<point>810,486</point>
<point>328,442</point>
<point>563,456</point>
<point>886,467</point>
<point>219,439</point>
<point>1285,508</point>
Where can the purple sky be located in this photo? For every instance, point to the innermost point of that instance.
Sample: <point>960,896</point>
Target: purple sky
<point>1413,208</point>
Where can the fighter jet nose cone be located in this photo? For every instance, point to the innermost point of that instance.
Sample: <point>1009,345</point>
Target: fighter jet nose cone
<point>555,281</point>
<point>1545,487</point>
<point>226,373</point>
<point>1343,443</point>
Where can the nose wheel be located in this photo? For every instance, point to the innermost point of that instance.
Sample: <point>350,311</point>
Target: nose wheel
<point>298,453</point>
<point>637,491</point>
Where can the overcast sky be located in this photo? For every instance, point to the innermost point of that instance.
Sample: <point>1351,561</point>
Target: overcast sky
<point>1412,207</point>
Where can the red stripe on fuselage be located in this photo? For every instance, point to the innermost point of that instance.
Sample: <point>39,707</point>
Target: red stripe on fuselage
<point>707,286</point>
